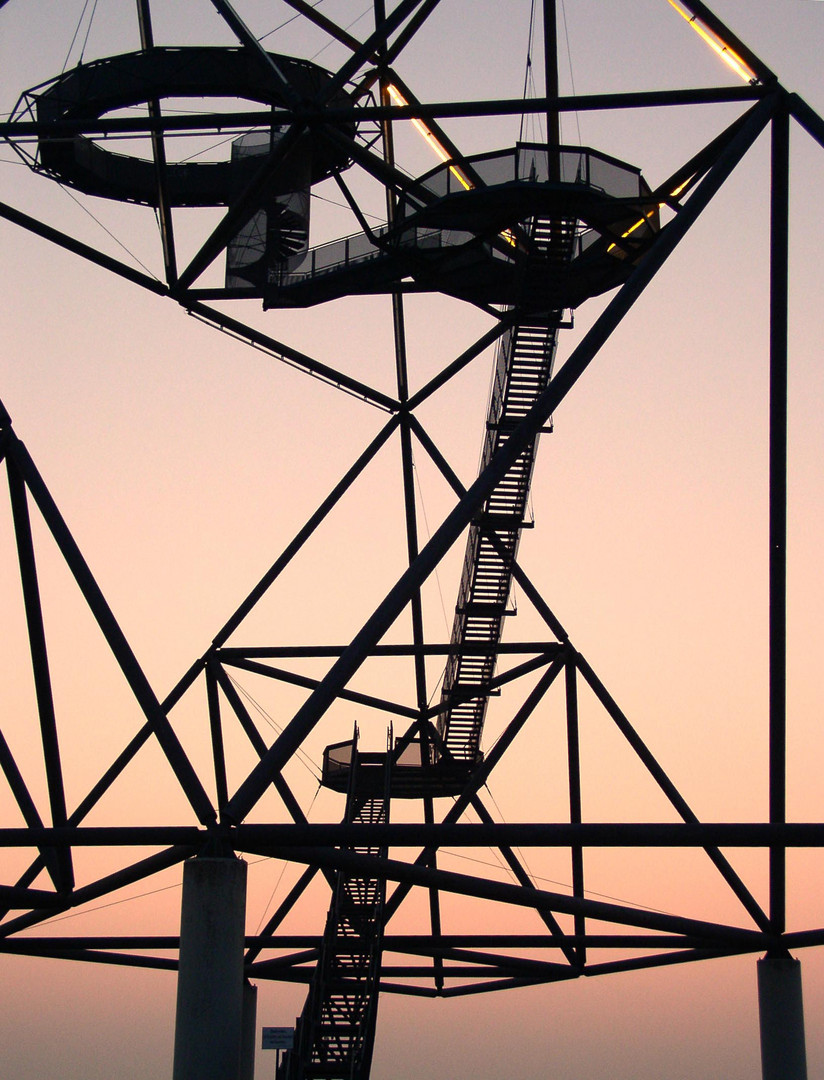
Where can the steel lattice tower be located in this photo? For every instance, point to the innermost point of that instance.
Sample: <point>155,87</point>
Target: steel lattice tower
<point>523,235</point>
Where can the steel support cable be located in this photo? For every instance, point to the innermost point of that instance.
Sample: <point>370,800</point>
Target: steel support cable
<point>256,739</point>
<point>138,871</point>
<point>85,251</point>
<point>376,626</point>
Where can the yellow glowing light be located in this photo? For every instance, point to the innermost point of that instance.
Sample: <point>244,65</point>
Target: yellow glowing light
<point>673,194</point>
<point>680,188</point>
<point>398,99</point>
<point>730,58</point>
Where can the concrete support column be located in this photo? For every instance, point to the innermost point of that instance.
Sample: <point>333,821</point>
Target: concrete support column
<point>781,1012</point>
<point>209,1022</point>
<point>249,1046</point>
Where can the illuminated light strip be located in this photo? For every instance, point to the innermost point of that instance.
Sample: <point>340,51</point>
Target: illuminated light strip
<point>673,194</point>
<point>443,154</point>
<point>398,99</point>
<point>730,58</point>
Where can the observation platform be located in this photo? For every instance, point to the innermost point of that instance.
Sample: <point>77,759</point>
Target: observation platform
<point>90,91</point>
<point>412,774</point>
<point>463,230</point>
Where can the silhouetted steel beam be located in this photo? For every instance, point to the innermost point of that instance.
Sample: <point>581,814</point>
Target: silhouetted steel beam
<point>115,639</point>
<point>464,885</point>
<point>311,14</point>
<point>459,363</point>
<point>366,52</point>
<point>503,984</point>
<point>523,879</point>
<point>280,914</point>
<point>495,683</point>
<point>39,661</point>
<point>255,50</point>
<point>164,211</point>
<point>406,944</point>
<point>281,351</point>
<point>138,871</point>
<point>216,733</point>
<point>294,679</point>
<point>779,265</point>
<point>257,741</point>
<point>304,533</point>
<point>807,118</point>
<point>240,122</point>
<point>669,789</point>
<point>264,839</point>
<point>76,247</point>
<point>574,774</point>
<point>754,63</point>
<point>469,648</point>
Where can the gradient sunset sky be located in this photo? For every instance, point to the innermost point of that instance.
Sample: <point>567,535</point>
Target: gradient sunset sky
<point>183,462</point>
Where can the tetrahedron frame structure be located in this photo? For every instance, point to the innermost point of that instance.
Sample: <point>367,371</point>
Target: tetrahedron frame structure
<point>525,235</point>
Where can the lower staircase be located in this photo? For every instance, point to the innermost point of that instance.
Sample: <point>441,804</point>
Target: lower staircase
<point>335,1033</point>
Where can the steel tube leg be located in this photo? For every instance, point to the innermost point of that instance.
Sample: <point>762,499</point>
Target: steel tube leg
<point>209,1023</point>
<point>781,1013</point>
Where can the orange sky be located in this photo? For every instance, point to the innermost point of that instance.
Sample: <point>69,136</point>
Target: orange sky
<point>183,463</point>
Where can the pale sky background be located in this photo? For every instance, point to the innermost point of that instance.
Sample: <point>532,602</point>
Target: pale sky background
<point>183,463</point>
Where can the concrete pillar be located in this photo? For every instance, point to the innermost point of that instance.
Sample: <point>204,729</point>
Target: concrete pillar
<point>209,1022</point>
<point>247,1052</point>
<point>781,1012</point>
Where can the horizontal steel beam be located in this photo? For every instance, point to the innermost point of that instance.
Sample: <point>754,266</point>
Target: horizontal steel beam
<point>527,834</point>
<point>229,122</point>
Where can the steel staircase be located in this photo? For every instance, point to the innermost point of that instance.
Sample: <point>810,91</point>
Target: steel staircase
<point>524,366</point>
<point>335,1033</point>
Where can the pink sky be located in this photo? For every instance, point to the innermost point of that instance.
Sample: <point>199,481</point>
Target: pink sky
<point>183,462</point>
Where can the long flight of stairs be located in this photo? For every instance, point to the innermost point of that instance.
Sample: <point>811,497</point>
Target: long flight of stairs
<point>524,367</point>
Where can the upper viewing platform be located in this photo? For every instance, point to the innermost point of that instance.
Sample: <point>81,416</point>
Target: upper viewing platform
<point>462,229</point>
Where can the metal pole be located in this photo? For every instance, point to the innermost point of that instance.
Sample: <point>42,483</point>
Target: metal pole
<point>781,1014</point>
<point>210,995</point>
<point>779,224</point>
